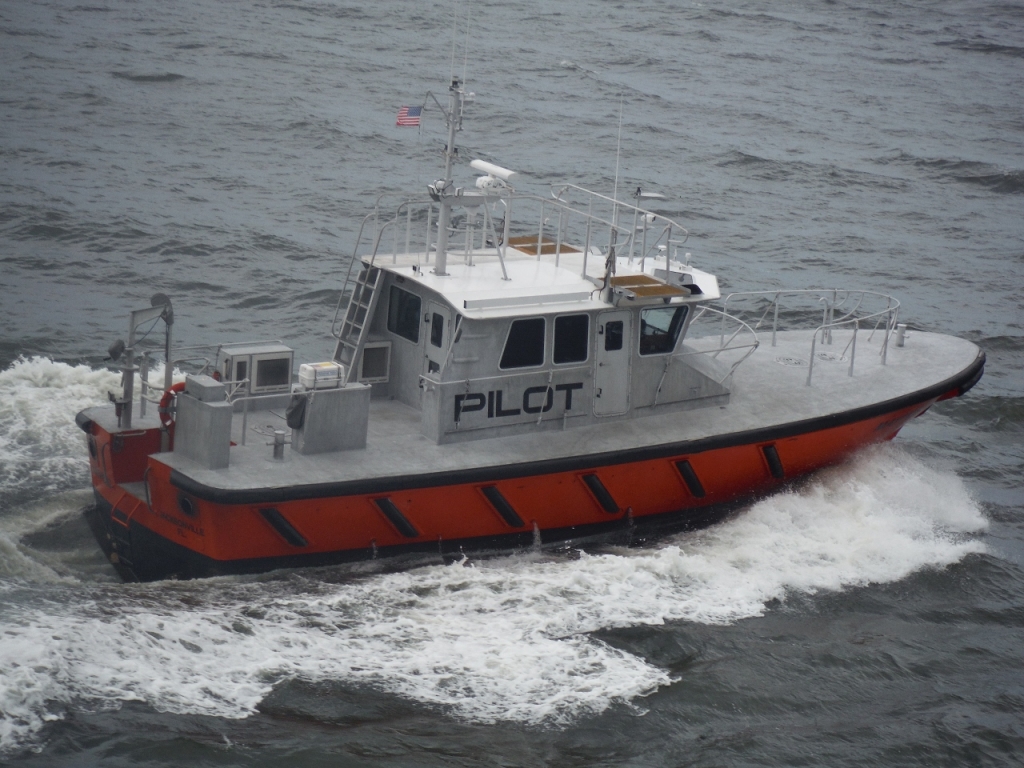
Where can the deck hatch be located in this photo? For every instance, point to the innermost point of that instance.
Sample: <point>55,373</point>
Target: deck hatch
<point>774,462</point>
<point>280,524</point>
<point>396,518</point>
<point>528,244</point>
<point>604,498</point>
<point>690,478</point>
<point>644,286</point>
<point>502,506</point>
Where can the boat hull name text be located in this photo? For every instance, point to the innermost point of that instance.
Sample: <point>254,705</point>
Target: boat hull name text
<point>535,400</point>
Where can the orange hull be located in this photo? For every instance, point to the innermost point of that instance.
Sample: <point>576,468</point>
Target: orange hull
<point>188,530</point>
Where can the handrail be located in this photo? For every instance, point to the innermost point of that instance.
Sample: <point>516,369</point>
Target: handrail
<point>510,374</point>
<point>617,204</point>
<point>348,273</point>
<point>712,353</point>
<point>622,236</point>
<point>724,346</point>
<point>249,398</point>
<point>829,323</point>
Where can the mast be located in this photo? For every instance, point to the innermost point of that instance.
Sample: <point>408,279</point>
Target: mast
<point>443,191</point>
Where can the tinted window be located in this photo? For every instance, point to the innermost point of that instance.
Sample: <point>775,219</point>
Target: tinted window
<point>404,314</point>
<point>524,347</point>
<point>436,329</point>
<point>659,329</point>
<point>613,335</point>
<point>572,338</point>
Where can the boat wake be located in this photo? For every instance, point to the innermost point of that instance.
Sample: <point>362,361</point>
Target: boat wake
<point>40,445</point>
<point>503,639</point>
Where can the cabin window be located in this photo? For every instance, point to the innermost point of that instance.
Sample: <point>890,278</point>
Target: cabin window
<point>572,338</point>
<point>659,329</point>
<point>404,314</point>
<point>436,329</point>
<point>524,347</point>
<point>613,336</point>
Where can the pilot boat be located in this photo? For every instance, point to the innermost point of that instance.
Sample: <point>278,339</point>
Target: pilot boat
<point>510,371</point>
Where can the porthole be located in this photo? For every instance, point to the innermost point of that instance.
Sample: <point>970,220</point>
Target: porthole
<point>186,505</point>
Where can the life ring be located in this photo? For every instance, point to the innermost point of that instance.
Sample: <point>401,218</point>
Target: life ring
<point>166,417</point>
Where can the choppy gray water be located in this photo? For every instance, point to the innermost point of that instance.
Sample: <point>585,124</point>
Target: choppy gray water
<point>224,153</point>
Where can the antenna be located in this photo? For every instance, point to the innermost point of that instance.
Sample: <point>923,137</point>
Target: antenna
<point>618,147</point>
<point>455,28</point>
<point>465,48</point>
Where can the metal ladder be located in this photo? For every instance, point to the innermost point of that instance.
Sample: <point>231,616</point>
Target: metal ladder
<point>361,305</point>
<point>120,530</point>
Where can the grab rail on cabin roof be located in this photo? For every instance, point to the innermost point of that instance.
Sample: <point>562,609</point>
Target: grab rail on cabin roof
<point>848,303</point>
<point>638,240</point>
<point>419,219</point>
<point>642,219</point>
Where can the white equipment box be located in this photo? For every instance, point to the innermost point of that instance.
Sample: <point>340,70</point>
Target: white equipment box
<point>329,375</point>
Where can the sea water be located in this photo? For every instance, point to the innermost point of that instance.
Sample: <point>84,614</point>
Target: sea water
<point>225,154</point>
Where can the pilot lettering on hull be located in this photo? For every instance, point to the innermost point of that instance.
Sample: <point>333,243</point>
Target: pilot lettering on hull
<point>534,400</point>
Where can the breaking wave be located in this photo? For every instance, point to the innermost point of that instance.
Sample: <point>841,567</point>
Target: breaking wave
<point>41,449</point>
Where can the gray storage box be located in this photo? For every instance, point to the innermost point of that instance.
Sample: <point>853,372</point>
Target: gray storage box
<point>205,389</point>
<point>335,420</point>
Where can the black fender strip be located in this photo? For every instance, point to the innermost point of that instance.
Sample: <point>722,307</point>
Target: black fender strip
<point>502,506</point>
<point>84,422</point>
<point>690,478</point>
<point>396,518</point>
<point>968,385</point>
<point>604,498</point>
<point>586,462</point>
<point>771,455</point>
<point>280,524</point>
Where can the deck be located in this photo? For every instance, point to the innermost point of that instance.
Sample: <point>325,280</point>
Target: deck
<point>769,391</point>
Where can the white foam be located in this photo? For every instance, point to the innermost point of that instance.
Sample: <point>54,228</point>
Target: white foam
<point>41,448</point>
<point>507,639</point>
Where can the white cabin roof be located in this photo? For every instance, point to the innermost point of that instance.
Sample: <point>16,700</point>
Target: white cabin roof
<point>479,290</point>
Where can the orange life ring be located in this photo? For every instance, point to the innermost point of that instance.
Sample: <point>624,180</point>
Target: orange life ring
<point>166,417</point>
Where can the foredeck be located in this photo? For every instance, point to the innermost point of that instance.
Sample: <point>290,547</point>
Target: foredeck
<point>769,391</point>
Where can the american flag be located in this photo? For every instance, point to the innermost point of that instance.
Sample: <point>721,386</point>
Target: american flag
<point>409,116</point>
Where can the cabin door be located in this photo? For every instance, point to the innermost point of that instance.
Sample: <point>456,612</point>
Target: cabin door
<point>611,380</point>
<point>438,323</point>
